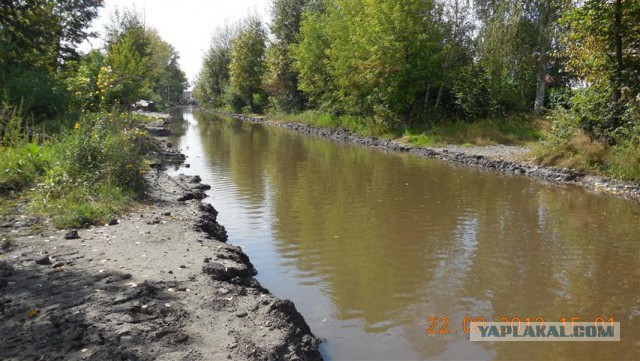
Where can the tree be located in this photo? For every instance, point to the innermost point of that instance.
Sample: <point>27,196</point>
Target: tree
<point>247,62</point>
<point>281,78</point>
<point>602,42</point>
<point>128,59</point>
<point>311,61</point>
<point>140,64</point>
<point>169,81</point>
<point>214,76</point>
<point>379,58</point>
<point>37,40</point>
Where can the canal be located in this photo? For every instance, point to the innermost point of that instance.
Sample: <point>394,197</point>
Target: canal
<point>370,245</point>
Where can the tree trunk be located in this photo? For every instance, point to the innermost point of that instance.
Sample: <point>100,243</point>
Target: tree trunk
<point>426,99</point>
<point>439,98</point>
<point>618,40</point>
<point>541,89</point>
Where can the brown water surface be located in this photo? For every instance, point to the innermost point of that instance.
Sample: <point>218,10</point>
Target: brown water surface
<point>370,245</point>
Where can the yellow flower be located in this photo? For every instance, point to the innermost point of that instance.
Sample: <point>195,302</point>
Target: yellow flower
<point>76,126</point>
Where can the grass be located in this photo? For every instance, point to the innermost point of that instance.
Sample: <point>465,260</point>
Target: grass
<point>482,132</point>
<point>580,152</point>
<point>80,177</point>
<point>355,124</point>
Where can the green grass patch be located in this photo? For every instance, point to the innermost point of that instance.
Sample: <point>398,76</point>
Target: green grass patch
<point>481,132</point>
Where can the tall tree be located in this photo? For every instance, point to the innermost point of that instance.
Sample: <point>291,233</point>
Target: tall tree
<point>169,81</point>
<point>247,61</point>
<point>281,78</point>
<point>128,59</point>
<point>214,76</point>
<point>37,39</point>
<point>601,42</point>
<point>544,13</point>
<point>380,56</point>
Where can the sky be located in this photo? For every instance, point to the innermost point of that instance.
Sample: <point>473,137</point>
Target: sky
<point>186,24</point>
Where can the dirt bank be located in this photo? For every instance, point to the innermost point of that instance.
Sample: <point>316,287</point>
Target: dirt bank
<point>157,284</point>
<point>500,158</point>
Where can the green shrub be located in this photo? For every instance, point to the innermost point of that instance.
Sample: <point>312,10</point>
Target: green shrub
<point>234,102</point>
<point>472,93</point>
<point>83,176</point>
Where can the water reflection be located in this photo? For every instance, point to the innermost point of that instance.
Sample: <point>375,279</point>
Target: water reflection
<point>369,245</point>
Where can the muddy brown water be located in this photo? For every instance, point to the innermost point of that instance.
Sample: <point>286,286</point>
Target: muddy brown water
<point>370,245</point>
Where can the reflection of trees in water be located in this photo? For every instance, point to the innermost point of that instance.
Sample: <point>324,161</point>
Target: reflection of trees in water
<point>178,124</point>
<point>397,239</point>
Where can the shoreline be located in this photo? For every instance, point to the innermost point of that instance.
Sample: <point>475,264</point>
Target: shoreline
<point>159,284</point>
<point>501,160</point>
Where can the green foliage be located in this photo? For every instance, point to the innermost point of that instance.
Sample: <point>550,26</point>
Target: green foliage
<point>311,61</point>
<point>82,83</point>
<point>167,79</point>
<point>37,40</point>
<point>233,100</point>
<point>247,61</point>
<point>139,64</point>
<point>214,76</point>
<point>83,176</point>
<point>128,58</point>
<point>601,46</point>
<point>371,57</point>
<point>281,78</point>
<point>590,44</point>
<point>472,94</point>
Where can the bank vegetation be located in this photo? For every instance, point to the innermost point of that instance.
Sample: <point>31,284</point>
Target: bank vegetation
<point>559,74</point>
<point>69,147</point>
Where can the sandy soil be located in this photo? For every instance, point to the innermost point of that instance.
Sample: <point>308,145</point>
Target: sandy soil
<point>157,284</point>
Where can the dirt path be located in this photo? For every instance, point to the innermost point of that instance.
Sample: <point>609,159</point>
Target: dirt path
<point>159,285</point>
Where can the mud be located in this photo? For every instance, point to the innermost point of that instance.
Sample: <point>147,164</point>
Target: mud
<point>160,283</point>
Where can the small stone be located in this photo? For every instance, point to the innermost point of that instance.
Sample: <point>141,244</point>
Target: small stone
<point>45,261</point>
<point>57,265</point>
<point>113,222</point>
<point>183,266</point>
<point>170,272</point>
<point>241,314</point>
<point>72,235</point>
<point>167,214</point>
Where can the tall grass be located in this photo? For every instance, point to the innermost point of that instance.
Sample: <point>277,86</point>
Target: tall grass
<point>568,146</point>
<point>83,176</point>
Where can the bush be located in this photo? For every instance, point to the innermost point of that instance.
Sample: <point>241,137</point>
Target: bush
<point>234,102</point>
<point>472,94</point>
<point>84,176</point>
